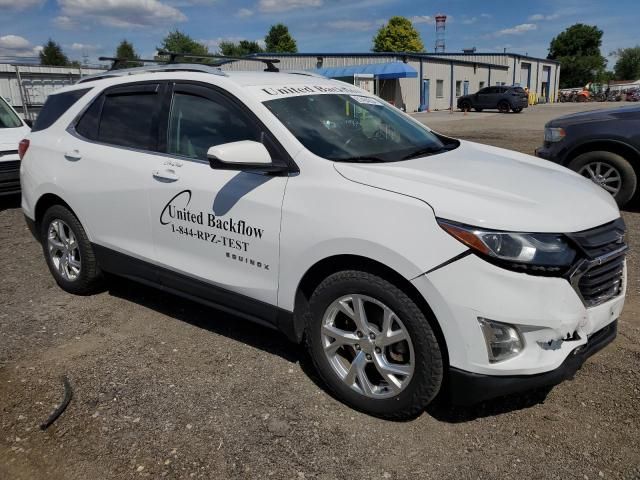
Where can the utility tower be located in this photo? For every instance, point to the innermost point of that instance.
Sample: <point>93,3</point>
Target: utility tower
<point>441,21</point>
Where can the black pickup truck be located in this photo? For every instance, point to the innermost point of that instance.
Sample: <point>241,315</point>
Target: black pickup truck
<point>602,145</point>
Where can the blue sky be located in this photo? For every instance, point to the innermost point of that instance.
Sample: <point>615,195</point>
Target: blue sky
<point>95,27</point>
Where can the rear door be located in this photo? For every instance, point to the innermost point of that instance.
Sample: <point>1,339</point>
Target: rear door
<point>109,157</point>
<point>215,231</point>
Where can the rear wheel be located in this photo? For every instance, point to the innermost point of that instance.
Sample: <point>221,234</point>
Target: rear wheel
<point>609,170</point>
<point>372,345</point>
<point>68,252</point>
<point>517,110</point>
<point>503,107</point>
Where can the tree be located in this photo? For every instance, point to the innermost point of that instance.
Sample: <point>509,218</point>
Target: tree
<point>244,47</point>
<point>126,50</point>
<point>578,51</point>
<point>179,42</point>
<point>52,54</point>
<point>280,40</point>
<point>398,35</point>
<point>628,65</point>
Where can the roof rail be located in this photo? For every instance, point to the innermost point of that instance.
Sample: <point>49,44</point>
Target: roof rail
<point>306,73</point>
<point>173,67</point>
<point>269,62</point>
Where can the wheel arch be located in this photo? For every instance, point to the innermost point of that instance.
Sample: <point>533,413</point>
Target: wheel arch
<point>614,146</point>
<point>44,203</point>
<point>336,263</point>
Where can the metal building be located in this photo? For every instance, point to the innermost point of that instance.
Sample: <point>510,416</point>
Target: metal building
<point>432,81</point>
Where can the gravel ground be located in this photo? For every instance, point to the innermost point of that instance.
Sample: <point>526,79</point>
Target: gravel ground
<point>167,388</point>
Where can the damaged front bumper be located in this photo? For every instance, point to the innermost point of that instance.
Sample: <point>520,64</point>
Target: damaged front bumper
<point>557,329</point>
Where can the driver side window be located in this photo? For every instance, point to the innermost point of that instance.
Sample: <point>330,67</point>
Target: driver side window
<point>197,123</point>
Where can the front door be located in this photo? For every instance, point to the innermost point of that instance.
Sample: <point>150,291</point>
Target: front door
<point>215,228</point>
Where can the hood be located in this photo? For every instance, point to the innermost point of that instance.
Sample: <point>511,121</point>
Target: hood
<point>10,137</point>
<point>494,188</point>
<point>596,116</point>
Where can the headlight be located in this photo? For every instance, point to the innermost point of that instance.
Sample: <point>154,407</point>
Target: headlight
<point>540,253</point>
<point>553,134</point>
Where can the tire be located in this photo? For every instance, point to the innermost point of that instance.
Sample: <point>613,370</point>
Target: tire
<point>586,165</point>
<point>517,110</point>
<point>465,106</point>
<point>478,109</point>
<point>421,351</point>
<point>68,252</point>
<point>503,107</point>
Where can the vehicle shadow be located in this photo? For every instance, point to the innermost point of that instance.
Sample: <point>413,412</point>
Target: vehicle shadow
<point>10,202</point>
<point>275,343</point>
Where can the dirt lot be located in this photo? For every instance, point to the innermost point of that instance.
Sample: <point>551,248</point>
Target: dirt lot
<point>166,388</point>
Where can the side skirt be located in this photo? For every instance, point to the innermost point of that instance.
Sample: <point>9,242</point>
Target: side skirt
<point>194,289</point>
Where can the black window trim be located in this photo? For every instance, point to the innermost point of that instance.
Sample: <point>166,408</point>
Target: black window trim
<point>82,91</point>
<point>165,113</point>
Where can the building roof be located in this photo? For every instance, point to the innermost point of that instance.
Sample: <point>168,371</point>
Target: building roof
<point>412,55</point>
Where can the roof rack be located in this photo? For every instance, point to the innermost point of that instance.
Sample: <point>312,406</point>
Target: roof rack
<point>174,67</point>
<point>119,62</point>
<point>269,62</point>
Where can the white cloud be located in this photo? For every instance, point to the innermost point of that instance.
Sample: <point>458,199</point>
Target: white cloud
<point>486,15</point>
<point>469,21</point>
<point>428,19</point>
<point>17,46</point>
<point>20,4</point>
<point>65,22</point>
<point>244,13</point>
<point>352,25</point>
<point>517,30</point>
<point>122,13</point>
<point>84,47</point>
<point>271,6</point>
<point>538,17</point>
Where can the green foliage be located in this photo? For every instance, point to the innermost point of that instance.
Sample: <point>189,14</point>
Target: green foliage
<point>52,54</point>
<point>244,47</point>
<point>126,50</point>
<point>628,65</point>
<point>280,40</point>
<point>179,42</point>
<point>398,35</point>
<point>578,50</point>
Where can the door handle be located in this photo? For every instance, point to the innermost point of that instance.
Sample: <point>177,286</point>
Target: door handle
<point>166,175</point>
<point>73,155</point>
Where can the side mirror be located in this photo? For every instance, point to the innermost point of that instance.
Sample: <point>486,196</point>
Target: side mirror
<point>28,123</point>
<point>242,155</point>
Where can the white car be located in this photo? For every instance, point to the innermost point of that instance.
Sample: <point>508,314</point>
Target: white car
<point>404,259</point>
<point>12,130</point>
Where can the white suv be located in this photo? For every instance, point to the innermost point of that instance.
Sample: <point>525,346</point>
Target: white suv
<point>12,130</point>
<point>406,260</point>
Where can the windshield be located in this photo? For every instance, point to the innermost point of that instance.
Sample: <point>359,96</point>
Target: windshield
<point>8,119</point>
<point>352,128</point>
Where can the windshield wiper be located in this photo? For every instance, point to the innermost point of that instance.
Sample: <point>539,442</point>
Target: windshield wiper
<point>424,152</point>
<point>362,159</point>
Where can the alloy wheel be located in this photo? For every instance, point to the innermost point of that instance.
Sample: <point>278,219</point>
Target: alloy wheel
<point>64,250</point>
<point>367,346</point>
<point>604,175</point>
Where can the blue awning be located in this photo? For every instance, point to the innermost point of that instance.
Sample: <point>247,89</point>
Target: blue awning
<point>382,71</point>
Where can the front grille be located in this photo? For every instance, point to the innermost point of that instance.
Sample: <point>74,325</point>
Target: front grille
<point>598,276</point>
<point>11,166</point>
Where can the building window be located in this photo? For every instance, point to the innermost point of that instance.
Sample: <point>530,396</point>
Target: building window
<point>458,88</point>
<point>480,85</point>
<point>439,88</point>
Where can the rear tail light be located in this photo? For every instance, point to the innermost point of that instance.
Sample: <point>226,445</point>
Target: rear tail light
<point>23,146</point>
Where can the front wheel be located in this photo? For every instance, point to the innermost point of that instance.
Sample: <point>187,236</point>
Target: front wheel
<point>465,106</point>
<point>373,346</point>
<point>610,171</point>
<point>68,252</point>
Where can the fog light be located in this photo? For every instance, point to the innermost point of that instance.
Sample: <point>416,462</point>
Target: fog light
<point>503,340</point>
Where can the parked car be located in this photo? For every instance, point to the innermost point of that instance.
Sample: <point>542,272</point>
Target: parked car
<point>501,97</point>
<point>405,260</point>
<point>601,145</point>
<point>12,130</point>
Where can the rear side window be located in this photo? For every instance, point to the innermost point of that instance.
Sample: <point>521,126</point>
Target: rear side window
<point>129,118</point>
<point>55,106</point>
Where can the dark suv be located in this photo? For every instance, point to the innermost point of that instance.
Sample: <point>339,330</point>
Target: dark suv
<point>602,145</point>
<point>501,97</point>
